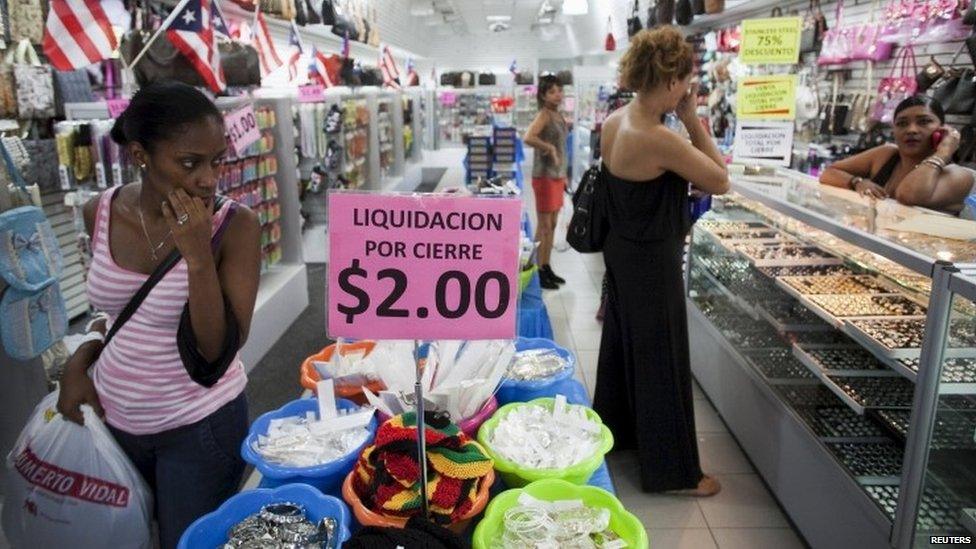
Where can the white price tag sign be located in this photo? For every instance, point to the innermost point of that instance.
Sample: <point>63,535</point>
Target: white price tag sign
<point>763,142</point>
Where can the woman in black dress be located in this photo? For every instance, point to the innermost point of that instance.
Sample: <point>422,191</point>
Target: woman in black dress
<point>643,387</point>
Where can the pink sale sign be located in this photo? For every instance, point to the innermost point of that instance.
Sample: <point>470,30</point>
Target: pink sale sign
<point>422,266</point>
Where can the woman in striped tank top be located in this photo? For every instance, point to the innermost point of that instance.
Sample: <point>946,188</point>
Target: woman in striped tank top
<point>182,432</point>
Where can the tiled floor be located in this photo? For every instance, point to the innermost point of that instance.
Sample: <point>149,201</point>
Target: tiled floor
<point>744,515</point>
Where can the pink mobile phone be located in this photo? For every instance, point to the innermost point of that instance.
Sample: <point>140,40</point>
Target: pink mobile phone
<point>937,136</point>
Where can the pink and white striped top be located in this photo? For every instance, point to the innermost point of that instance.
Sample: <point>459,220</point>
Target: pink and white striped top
<point>140,377</point>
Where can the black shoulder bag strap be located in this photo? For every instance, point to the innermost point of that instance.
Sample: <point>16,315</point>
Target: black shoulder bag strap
<point>133,305</point>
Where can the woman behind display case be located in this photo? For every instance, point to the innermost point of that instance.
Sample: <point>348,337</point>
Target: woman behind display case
<point>916,170</point>
<point>547,135</point>
<point>170,382</point>
<point>643,387</point>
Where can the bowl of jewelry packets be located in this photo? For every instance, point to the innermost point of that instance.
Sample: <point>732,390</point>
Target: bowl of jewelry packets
<point>555,513</point>
<point>539,365</point>
<point>290,516</point>
<point>546,438</point>
<point>295,444</point>
<point>352,353</point>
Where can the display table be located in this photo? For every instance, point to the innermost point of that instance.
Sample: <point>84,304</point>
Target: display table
<point>533,318</point>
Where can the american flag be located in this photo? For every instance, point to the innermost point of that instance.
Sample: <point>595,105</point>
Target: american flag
<point>513,68</point>
<point>77,34</point>
<point>295,42</point>
<point>262,41</point>
<point>391,74</point>
<point>320,64</point>
<point>192,32</point>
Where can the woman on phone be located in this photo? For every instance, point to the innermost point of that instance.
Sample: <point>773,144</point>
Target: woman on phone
<point>547,135</point>
<point>643,386</point>
<point>183,432</point>
<point>916,170</point>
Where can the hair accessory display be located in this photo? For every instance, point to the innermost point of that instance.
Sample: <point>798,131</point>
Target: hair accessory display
<point>567,523</point>
<point>535,437</point>
<point>536,364</point>
<point>308,441</point>
<point>281,525</point>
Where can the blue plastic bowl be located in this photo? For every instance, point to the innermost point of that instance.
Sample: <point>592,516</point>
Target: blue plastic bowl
<point>523,391</point>
<point>210,530</point>
<point>327,477</point>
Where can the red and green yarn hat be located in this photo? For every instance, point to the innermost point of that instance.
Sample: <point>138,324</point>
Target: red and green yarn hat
<point>387,473</point>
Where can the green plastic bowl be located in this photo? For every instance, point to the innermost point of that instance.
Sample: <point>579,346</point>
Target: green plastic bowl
<point>525,277</point>
<point>622,523</point>
<point>516,476</point>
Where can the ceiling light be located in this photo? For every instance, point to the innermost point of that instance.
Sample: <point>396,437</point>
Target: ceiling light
<point>576,7</point>
<point>499,18</point>
<point>421,8</point>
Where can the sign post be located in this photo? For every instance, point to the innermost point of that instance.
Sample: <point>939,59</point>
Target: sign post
<point>422,266</point>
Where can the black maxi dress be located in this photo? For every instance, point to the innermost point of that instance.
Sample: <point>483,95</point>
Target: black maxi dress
<point>643,386</point>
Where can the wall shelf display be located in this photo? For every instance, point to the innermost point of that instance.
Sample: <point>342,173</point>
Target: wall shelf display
<point>845,425</point>
<point>464,112</point>
<point>526,107</point>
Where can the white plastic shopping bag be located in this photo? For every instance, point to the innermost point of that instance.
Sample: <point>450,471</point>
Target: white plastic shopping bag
<point>72,486</point>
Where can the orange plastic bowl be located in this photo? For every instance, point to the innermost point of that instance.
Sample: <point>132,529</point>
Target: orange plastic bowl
<point>310,376</point>
<point>367,517</point>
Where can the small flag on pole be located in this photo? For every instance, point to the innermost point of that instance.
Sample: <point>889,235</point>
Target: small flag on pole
<point>192,32</point>
<point>391,74</point>
<point>513,68</point>
<point>295,42</point>
<point>77,34</point>
<point>263,42</point>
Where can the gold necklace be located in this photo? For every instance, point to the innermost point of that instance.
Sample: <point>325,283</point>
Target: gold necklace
<point>152,249</point>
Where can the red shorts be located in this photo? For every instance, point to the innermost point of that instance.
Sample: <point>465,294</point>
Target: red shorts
<point>549,193</point>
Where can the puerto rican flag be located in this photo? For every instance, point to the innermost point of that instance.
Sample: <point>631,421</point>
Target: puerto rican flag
<point>192,32</point>
<point>77,34</point>
<point>262,41</point>
<point>319,65</point>
<point>513,68</point>
<point>391,74</point>
<point>295,43</point>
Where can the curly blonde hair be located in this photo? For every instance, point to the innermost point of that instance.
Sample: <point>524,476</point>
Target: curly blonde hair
<point>656,57</point>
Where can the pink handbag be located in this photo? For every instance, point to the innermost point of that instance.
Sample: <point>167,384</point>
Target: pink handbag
<point>898,21</point>
<point>943,22</point>
<point>866,44</point>
<point>837,41</point>
<point>894,89</point>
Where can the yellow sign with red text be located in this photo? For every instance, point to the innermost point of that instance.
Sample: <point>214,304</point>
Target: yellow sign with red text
<point>771,41</point>
<point>767,97</point>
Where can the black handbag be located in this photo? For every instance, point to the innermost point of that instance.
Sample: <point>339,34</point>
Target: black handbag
<point>348,73</point>
<point>928,76</point>
<point>698,7</point>
<point>328,13</point>
<point>970,17</point>
<point>487,79</point>
<point>963,95</point>
<point>947,88</point>
<point>311,13</point>
<point>565,77</point>
<point>590,224</point>
<point>524,78</point>
<point>683,13</point>
<point>634,25</point>
<point>241,64</point>
<point>651,16</point>
<point>665,12</point>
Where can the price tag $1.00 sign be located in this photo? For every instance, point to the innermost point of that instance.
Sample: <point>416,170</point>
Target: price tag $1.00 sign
<point>242,128</point>
<point>422,267</point>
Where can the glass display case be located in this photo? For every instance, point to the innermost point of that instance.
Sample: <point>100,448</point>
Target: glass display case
<point>811,314</point>
<point>940,478</point>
